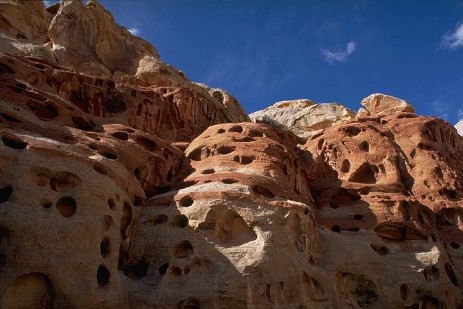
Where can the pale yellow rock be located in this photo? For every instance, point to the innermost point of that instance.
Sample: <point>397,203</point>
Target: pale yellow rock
<point>362,113</point>
<point>103,43</point>
<point>382,105</point>
<point>303,117</point>
<point>301,103</point>
<point>459,127</point>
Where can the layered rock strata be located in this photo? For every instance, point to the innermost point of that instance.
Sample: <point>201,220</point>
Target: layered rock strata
<point>123,185</point>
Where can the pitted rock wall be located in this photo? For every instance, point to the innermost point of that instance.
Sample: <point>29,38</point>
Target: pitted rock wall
<point>125,185</point>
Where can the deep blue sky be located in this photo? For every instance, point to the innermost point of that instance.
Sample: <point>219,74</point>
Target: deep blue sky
<point>328,51</point>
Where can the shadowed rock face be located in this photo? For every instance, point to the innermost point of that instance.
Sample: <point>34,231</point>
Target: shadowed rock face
<point>123,186</point>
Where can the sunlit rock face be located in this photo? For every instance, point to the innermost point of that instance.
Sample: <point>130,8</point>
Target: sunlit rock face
<point>459,127</point>
<point>304,117</point>
<point>125,185</point>
<point>379,104</point>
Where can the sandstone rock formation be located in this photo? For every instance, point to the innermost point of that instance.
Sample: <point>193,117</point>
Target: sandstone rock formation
<point>459,127</point>
<point>379,104</point>
<point>303,117</point>
<point>132,190</point>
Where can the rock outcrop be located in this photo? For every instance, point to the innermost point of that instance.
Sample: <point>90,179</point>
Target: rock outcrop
<point>125,186</point>
<point>303,117</point>
<point>459,127</point>
<point>379,104</point>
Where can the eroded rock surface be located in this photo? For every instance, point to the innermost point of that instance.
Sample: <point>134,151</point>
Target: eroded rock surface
<point>389,194</point>
<point>303,117</point>
<point>132,190</point>
<point>379,104</point>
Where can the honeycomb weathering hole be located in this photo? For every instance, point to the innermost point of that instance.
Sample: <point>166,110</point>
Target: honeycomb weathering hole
<point>163,269</point>
<point>199,153</point>
<point>108,155</point>
<point>107,222</point>
<point>237,129</point>
<point>256,133</point>
<point>111,204</point>
<point>246,160</point>
<point>352,131</point>
<point>104,248</point>
<point>225,149</point>
<point>345,166</point>
<point>4,68</point>
<point>183,250</point>
<point>186,201</point>
<point>126,218</point>
<point>9,118</point>
<point>180,221</point>
<point>121,135</point>
<point>243,159</point>
<point>100,170</point>
<point>381,250</point>
<point>102,276</point>
<point>245,139</point>
<point>158,219</point>
<point>64,181</point>
<point>136,270</point>
<point>81,124</point>
<point>33,290</point>
<point>451,274</point>
<point>232,228</point>
<point>364,146</point>
<point>229,181</point>
<point>208,171</point>
<point>404,291</point>
<point>13,141</point>
<point>5,193</point>
<point>366,173</point>
<point>47,204</point>
<point>66,206</point>
<point>146,143</point>
<point>448,193</point>
<point>43,112</point>
<point>262,191</point>
<point>176,271</point>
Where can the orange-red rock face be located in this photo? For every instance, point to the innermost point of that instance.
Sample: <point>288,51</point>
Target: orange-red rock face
<point>389,196</point>
<point>133,189</point>
<point>45,92</point>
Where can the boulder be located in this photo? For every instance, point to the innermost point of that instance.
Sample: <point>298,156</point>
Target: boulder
<point>378,104</point>
<point>304,117</point>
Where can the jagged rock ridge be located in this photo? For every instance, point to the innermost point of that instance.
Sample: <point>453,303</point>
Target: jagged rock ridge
<point>125,185</point>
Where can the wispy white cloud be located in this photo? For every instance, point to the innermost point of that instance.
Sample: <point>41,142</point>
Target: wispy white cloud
<point>460,114</point>
<point>453,39</point>
<point>331,56</point>
<point>440,108</point>
<point>134,30</point>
